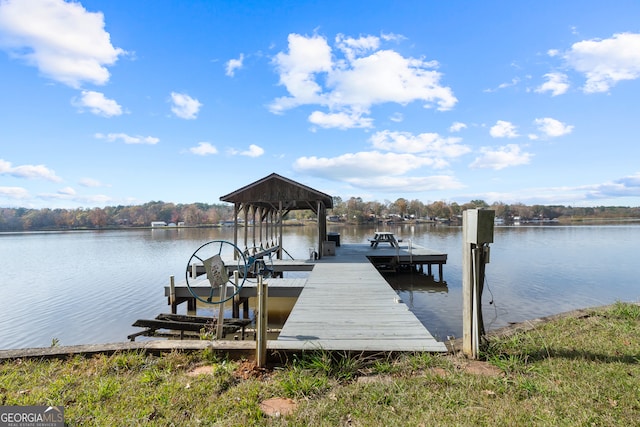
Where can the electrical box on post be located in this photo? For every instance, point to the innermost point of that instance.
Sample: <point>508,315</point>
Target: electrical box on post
<point>480,226</point>
<point>328,248</point>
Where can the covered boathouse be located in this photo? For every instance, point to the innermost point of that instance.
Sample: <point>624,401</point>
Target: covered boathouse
<point>264,203</point>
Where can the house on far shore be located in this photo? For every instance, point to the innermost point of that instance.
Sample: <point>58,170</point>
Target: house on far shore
<point>158,224</point>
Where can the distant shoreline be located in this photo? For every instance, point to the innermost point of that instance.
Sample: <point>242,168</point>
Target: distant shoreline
<point>298,223</point>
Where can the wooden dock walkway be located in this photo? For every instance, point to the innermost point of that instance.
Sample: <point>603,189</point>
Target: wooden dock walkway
<point>346,304</point>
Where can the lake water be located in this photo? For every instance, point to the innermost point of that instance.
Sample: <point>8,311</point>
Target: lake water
<point>89,287</point>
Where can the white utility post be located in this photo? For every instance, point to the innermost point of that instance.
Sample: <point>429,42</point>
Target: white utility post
<point>477,233</point>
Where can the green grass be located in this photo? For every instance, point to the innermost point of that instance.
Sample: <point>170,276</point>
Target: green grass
<point>571,371</point>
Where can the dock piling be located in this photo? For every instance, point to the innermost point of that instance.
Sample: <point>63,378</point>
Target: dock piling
<point>261,326</point>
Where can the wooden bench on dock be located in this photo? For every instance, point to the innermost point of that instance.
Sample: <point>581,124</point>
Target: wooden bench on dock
<point>185,327</point>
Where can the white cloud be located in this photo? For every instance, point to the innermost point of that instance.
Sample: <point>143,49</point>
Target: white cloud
<point>395,157</point>
<point>90,182</point>
<point>513,82</point>
<point>253,151</point>
<point>14,193</point>
<point>552,127</point>
<point>376,170</point>
<point>203,149</point>
<point>363,76</point>
<point>407,183</point>
<point>233,65</point>
<point>500,158</point>
<point>396,117</point>
<point>62,39</point>
<point>391,37</point>
<point>67,191</point>
<point>353,48</point>
<point>457,127</point>
<point>28,171</point>
<point>69,195</point>
<point>556,84</point>
<point>606,62</point>
<point>127,139</point>
<point>352,166</point>
<point>386,76</point>
<point>428,144</point>
<point>340,120</point>
<point>628,186</point>
<point>631,180</point>
<point>503,129</point>
<point>98,104</point>
<point>307,56</point>
<point>185,106</point>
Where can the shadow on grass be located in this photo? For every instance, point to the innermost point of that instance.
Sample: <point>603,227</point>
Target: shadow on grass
<point>542,354</point>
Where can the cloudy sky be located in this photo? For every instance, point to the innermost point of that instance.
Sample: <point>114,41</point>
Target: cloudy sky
<point>124,102</point>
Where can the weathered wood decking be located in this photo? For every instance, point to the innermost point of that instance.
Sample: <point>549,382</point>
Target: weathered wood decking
<point>346,304</point>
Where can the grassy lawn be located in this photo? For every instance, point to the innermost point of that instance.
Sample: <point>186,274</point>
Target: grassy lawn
<point>582,371</point>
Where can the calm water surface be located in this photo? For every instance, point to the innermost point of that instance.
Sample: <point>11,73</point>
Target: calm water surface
<point>89,287</point>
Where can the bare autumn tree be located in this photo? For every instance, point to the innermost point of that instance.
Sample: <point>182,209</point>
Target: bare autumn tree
<point>97,218</point>
<point>401,206</point>
<point>416,207</point>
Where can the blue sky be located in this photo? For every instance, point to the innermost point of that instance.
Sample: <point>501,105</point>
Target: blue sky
<point>124,102</point>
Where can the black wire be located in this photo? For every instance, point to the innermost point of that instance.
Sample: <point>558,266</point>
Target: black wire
<point>492,302</point>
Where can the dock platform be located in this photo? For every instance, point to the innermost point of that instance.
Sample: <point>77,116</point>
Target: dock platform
<point>346,304</point>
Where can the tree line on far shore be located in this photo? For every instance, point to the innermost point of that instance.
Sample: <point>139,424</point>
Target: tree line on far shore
<point>353,210</point>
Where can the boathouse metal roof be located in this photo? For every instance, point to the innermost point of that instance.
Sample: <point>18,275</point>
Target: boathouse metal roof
<point>269,191</point>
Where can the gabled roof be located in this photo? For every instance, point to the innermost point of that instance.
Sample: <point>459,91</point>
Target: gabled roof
<point>273,189</point>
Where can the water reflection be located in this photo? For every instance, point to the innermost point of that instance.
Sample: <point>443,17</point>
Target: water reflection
<point>413,281</point>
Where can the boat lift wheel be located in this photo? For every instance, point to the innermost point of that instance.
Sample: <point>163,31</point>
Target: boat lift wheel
<point>219,258</point>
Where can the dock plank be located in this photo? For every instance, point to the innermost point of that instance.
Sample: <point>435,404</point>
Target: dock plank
<point>277,287</point>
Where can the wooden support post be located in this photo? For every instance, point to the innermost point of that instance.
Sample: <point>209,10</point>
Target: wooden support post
<point>253,228</point>
<point>236,298</point>
<point>223,296</point>
<point>172,295</point>
<point>245,208</point>
<point>281,216</point>
<point>245,308</point>
<point>236,212</point>
<point>322,228</point>
<point>235,307</point>
<point>261,324</point>
<point>260,213</point>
